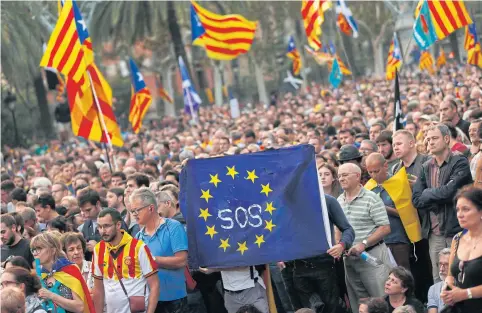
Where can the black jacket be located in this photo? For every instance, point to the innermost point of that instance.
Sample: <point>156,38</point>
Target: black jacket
<point>454,174</point>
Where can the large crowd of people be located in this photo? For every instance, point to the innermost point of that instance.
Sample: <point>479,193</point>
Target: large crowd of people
<point>83,232</point>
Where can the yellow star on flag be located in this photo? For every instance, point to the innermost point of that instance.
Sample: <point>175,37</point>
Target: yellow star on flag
<point>215,180</point>
<point>204,214</point>
<point>206,196</point>
<point>269,225</point>
<point>231,171</point>
<point>265,189</point>
<point>251,176</point>
<point>242,247</point>
<point>269,207</point>
<point>224,244</point>
<point>211,231</point>
<point>259,240</point>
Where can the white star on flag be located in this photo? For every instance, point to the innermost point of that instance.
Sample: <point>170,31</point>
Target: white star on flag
<point>139,75</point>
<point>82,22</point>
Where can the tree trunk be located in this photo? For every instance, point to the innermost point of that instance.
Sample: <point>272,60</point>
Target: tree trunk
<point>45,118</point>
<point>454,45</point>
<point>176,37</point>
<point>169,108</point>
<point>258,72</point>
<point>378,58</point>
<point>218,84</point>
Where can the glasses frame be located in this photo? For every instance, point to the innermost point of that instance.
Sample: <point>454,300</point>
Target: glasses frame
<point>135,212</point>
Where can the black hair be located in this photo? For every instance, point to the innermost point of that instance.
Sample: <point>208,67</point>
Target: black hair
<point>173,173</point>
<point>117,191</point>
<point>406,279</point>
<point>452,130</point>
<point>60,223</point>
<point>61,210</point>
<point>385,135</point>
<point>24,276</point>
<point>89,196</point>
<point>17,261</point>
<point>44,200</point>
<point>19,194</point>
<point>114,214</point>
<point>249,308</point>
<point>346,130</point>
<point>18,221</point>
<point>7,185</point>
<point>473,194</point>
<point>140,179</point>
<point>250,133</point>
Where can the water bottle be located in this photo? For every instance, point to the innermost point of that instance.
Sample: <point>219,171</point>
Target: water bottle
<point>367,257</point>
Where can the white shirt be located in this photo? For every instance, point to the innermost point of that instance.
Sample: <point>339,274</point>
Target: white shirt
<point>240,279</point>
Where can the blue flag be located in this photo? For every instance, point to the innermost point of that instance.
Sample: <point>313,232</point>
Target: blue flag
<point>336,76</point>
<point>423,29</point>
<point>253,209</point>
<point>192,101</point>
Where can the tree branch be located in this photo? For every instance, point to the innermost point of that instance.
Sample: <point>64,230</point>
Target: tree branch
<point>382,31</point>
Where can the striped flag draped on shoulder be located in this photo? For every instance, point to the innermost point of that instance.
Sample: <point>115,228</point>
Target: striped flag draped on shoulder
<point>223,36</point>
<point>312,12</point>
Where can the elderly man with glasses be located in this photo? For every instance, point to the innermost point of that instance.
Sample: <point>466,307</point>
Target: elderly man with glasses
<point>167,241</point>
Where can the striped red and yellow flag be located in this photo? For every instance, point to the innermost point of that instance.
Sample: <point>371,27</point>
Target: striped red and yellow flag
<point>426,62</point>
<point>223,36</point>
<point>64,50</point>
<point>85,116</point>
<point>447,16</point>
<point>344,69</point>
<point>441,60</point>
<point>312,12</point>
<point>474,56</point>
<point>394,60</point>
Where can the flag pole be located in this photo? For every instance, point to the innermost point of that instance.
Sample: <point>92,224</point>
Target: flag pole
<point>100,117</point>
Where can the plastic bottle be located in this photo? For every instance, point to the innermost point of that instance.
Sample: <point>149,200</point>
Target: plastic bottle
<point>367,257</point>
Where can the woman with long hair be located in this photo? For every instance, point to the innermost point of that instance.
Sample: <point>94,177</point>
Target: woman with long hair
<point>63,286</point>
<point>329,180</point>
<point>28,283</point>
<point>464,281</point>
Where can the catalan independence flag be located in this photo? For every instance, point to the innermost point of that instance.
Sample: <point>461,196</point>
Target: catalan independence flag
<point>426,62</point>
<point>436,19</point>
<point>70,276</point>
<point>344,69</point>
<point>394,60</point>
<point>91,110</point>
<point>312,12</point>
<point>64,50</point>
<point>223,36</point>
<point>294,55</point>
<point>321,57</point>
<point>472,45</point>
<point>141,98</point>
<point>91,119</point>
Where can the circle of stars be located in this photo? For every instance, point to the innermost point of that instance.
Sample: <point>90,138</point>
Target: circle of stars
<point>242,246</point>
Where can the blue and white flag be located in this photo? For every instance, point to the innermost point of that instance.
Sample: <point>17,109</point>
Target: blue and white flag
<point>192,101</point>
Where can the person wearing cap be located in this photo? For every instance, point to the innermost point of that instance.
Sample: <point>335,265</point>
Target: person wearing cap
<point>350,154</point>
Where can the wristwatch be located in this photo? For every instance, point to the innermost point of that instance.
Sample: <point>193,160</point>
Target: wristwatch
<point>365,242</point>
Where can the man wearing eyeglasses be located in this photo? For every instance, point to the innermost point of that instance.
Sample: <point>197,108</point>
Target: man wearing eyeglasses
<point>167,240</point>
<point>122,267</point>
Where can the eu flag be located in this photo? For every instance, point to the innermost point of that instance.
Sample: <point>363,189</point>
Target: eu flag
<point>253,209</point>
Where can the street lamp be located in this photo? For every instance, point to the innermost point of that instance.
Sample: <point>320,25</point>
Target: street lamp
<point>10,101</point>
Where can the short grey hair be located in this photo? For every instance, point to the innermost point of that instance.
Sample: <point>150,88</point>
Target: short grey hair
<point>28,214</point>
<point>145,195</point>
<point>444,251</point>
<point>444,130</point>
<point>372,143</point>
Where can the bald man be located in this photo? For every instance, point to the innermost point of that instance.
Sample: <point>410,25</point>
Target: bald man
<point>366,212</point>
<point>397,241</point>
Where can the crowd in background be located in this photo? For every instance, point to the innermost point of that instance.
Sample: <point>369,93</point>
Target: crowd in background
<point>68,200</point>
